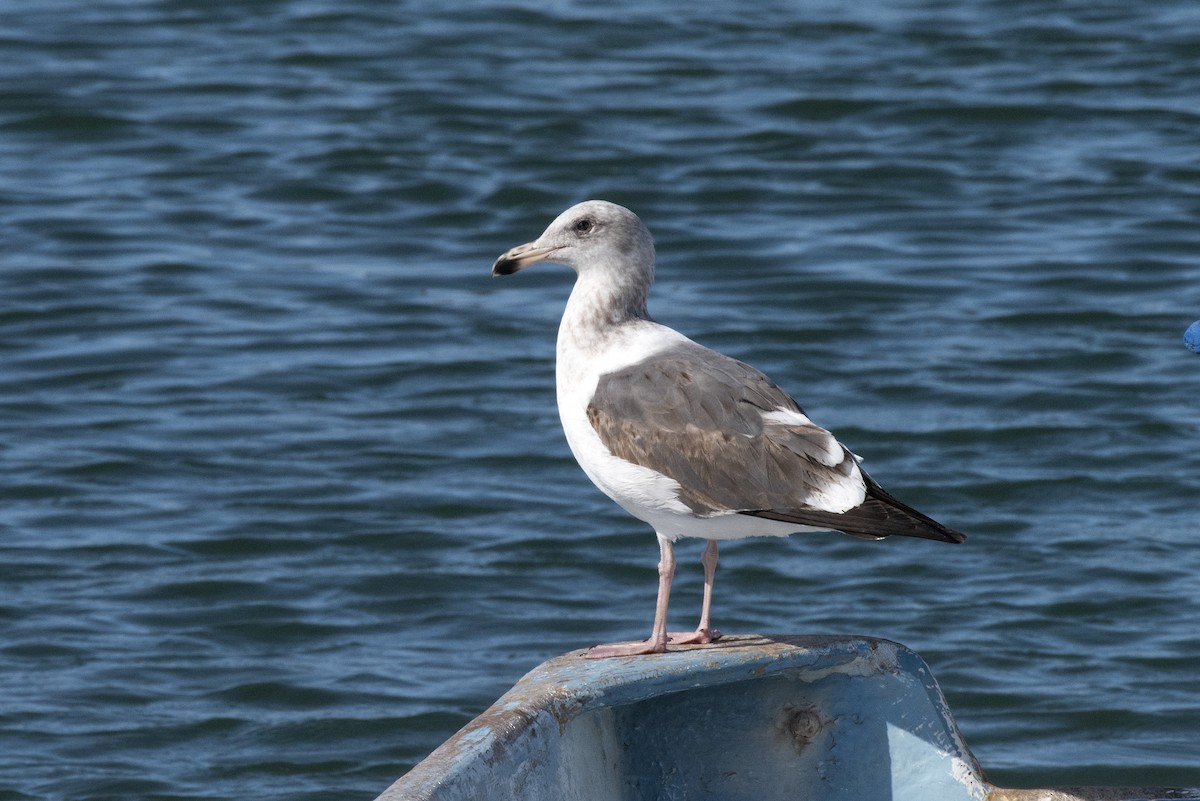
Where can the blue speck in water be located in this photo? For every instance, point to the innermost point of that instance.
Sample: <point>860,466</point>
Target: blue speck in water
<point>1191,337</point>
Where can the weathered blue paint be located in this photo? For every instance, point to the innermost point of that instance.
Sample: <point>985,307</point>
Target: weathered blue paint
<point>750,718</point>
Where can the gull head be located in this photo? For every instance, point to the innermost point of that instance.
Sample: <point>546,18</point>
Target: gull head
<point>592,236</point>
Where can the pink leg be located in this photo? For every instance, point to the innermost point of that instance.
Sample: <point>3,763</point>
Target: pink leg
<point>704,633</point>
<point>657,643</point>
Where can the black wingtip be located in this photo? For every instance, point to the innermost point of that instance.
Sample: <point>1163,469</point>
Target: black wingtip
<point>879,516</point>
<point>920,524</point>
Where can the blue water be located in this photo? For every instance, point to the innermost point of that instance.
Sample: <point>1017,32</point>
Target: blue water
<point>283,497</point>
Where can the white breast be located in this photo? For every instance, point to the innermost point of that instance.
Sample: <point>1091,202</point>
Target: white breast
<point>642,492</point>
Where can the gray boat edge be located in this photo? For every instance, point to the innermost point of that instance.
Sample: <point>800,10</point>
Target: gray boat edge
<point>762,717</point>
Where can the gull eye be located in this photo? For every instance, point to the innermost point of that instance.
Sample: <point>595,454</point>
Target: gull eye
<point>583,225</point>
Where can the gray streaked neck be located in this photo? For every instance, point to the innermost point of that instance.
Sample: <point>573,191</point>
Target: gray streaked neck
<point>600,304</point>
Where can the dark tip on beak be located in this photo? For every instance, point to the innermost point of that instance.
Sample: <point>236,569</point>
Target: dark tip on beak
<point>521,257</point>
<point>505,266</point>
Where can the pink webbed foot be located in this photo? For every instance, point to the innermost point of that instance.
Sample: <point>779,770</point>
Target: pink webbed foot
<point>625,649</point>
<point>697,637</point>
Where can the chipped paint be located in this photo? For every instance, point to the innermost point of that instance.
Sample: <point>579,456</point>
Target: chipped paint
<point>749,717</point>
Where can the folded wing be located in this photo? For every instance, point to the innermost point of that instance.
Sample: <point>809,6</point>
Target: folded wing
<point>736,443</point>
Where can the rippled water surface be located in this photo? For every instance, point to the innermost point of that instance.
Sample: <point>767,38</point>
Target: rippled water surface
<point>283,497</point>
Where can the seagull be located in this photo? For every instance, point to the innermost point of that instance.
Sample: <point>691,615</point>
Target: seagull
<point>693,442</point>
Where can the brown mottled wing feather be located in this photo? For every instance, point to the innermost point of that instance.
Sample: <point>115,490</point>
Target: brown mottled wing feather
<point>697,416</point>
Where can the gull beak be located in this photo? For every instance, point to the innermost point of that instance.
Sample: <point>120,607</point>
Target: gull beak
<point>520,257</point>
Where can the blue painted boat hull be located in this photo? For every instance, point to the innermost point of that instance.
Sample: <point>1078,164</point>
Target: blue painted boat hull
<point>751,718</point>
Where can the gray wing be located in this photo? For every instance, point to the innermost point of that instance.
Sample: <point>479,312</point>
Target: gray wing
<point>698,417</point>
